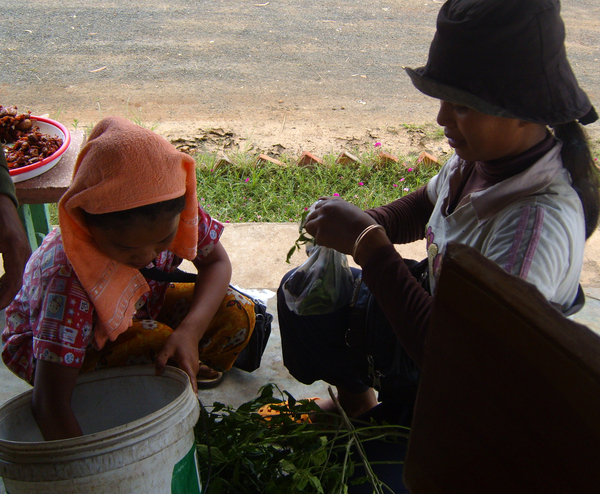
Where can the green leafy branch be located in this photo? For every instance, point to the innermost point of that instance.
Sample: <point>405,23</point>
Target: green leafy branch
<point>249,454</point>
<point>302,239</point>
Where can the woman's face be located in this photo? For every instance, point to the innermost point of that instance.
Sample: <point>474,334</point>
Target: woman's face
<point>138,244</point>
<point>479,137</point>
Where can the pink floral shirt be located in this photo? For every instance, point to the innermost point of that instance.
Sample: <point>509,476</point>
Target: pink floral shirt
<point>52,318</point>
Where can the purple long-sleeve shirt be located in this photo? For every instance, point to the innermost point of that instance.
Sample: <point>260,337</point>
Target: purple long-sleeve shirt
<point>404,301</point>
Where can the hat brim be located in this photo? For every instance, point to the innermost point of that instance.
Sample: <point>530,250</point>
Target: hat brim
<point>453,94</point>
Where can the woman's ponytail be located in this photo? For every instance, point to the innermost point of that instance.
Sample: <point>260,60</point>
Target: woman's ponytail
<point>577,159</point>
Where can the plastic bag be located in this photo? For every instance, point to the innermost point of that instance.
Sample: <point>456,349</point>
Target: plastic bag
<point>322,284</point>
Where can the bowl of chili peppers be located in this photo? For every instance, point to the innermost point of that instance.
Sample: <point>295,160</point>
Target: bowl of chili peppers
<point>32,145</point>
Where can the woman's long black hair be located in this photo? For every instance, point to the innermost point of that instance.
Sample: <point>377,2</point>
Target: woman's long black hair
<point>577,159</point>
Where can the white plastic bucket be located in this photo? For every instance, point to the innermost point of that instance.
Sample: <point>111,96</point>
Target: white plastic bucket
<point>139,438</point>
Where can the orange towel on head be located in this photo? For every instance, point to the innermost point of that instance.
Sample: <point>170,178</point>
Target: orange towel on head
<point>123,166</point>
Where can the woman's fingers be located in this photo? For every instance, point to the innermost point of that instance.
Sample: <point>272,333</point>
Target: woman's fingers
<point>192,372</point>
<point>159,364</point>
<point>177,348</point>
<point>336,223</point>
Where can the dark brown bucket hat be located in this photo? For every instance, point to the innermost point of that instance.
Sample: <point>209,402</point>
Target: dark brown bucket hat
<point>504,58</point>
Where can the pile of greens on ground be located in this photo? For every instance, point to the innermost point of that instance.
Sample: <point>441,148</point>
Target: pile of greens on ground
<point>240,451</point>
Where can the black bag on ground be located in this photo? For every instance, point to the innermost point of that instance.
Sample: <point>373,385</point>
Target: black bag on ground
<point>250,357</point>
<point>376,349</point>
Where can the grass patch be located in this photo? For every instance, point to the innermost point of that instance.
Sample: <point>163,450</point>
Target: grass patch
<point>245,192</point>
<point>595,149</point>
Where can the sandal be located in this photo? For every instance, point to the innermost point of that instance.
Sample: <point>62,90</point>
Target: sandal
<point>207,382</point>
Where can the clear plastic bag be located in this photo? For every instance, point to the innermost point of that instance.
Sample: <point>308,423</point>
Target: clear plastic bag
<point>322,284</point>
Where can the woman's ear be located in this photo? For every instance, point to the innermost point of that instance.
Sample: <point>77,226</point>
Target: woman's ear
<point>536,132</point>
<point>532,126</point>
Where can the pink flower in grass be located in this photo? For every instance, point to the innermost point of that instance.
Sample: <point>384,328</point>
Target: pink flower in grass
<point>247,180</point>
<point>360,184</point>
<point>410,170</point>
<point>336,195</point>
<point>377,144</point>
<point>394,185</point>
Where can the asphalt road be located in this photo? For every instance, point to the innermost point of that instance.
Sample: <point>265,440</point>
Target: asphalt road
<point>230,59</point>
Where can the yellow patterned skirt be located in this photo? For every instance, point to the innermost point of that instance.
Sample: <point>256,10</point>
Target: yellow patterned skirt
<point>226,336</point>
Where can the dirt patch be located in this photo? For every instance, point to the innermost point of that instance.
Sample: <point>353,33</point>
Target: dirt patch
<point>279,139</point>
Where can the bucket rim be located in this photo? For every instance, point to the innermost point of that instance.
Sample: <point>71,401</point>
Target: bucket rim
<point>132,432</point>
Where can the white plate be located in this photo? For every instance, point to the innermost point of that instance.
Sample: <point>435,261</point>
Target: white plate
<point>52,128</point>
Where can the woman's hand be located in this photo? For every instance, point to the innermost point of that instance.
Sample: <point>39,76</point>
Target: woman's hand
<point>181,347</point>
<point>337,224</point>
<point>214,274</point>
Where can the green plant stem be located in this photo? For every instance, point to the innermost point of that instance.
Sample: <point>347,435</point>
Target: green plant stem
<point>372,477</point>
<point>346,458</point>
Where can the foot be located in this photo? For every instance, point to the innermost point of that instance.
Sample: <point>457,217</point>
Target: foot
<point>354,405</point>
<point>208,378</point>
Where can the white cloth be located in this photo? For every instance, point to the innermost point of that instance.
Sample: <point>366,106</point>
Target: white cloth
<point>531,224</point>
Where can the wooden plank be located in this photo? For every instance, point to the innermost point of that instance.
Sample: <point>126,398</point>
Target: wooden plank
<point>509,397</point>
<point>50,186</point>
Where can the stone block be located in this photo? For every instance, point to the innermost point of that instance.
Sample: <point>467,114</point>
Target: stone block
<point>265,157</point>
<point>309,159</point>
<point>346,158</point>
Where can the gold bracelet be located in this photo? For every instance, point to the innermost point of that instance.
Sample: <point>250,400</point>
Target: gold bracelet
<point>362,235</point>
